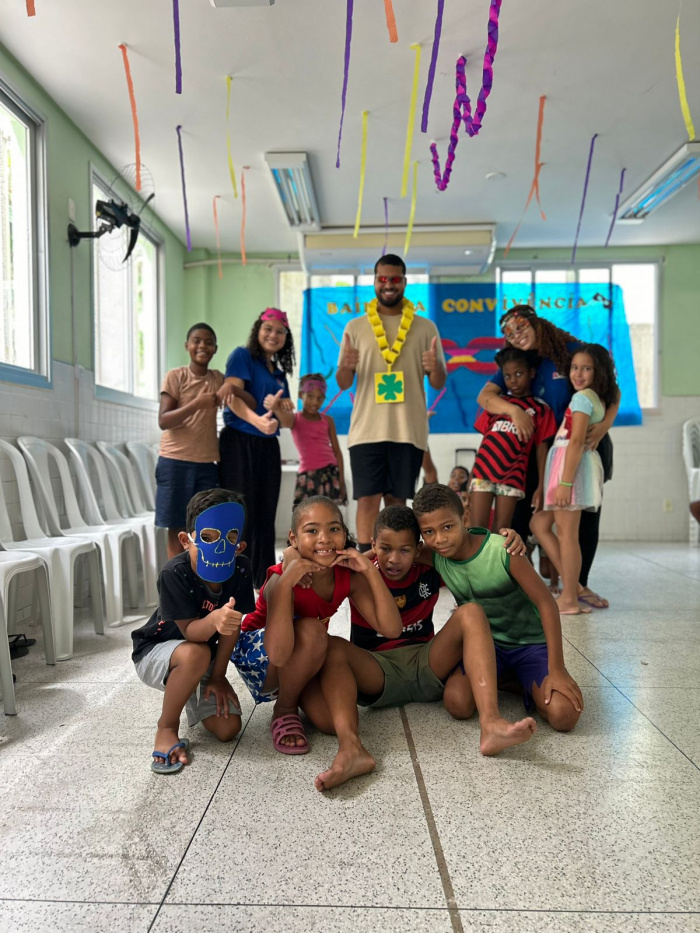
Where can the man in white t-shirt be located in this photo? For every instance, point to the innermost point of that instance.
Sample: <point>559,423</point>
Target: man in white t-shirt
<point>390,349</point>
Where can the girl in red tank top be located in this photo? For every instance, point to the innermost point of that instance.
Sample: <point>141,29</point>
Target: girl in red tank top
<point>283,642</point>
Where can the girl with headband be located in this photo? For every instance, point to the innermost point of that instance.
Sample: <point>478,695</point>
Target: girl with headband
<point>522,328</point>
<point>249,447</point>
<point>321,467</point>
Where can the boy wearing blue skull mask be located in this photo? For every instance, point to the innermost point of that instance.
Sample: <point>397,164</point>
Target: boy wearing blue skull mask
<point>185,646</point>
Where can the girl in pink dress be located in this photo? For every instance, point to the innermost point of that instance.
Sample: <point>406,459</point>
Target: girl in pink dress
<point>321,468</point>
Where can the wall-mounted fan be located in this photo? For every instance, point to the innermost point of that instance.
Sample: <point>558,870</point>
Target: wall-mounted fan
<point>118,216</point>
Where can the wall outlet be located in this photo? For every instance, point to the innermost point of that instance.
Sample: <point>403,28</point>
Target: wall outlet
<point>668,505</point>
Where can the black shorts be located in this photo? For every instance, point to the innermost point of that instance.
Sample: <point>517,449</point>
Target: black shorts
<point>385,468</point>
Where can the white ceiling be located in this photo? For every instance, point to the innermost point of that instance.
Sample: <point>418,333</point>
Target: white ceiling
<point>606,66</point>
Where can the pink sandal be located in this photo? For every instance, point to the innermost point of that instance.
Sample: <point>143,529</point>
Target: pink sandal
<point>285,726</point>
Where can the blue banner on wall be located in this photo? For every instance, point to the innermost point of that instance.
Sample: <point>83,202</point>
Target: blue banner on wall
<point>467,316</point>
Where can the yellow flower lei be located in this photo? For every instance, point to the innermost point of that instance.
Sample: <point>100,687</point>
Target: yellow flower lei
<point>391,353</point>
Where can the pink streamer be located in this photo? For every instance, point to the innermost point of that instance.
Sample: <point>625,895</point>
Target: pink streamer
<point>435,403</point>
<point>178,129</point>
<point>583,199</point>
<point>617,204</point>
<point>334,399</point>
<point>348,40</point>
<point>462,109</point>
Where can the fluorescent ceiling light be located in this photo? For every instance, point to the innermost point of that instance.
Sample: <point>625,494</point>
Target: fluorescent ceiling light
<point>290,172</point>
<point>674,174</point>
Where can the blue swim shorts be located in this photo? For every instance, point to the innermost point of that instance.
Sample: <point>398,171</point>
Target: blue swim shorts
<point>251,662</point>
<point>527,664</point>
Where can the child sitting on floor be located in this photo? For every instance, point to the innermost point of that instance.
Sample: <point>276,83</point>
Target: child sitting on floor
<point>283,642</point>
<point>522,614</point>
<point>321,468</point>
<point>501,462</point>
<point>414,666</point>
<point>185,646</point>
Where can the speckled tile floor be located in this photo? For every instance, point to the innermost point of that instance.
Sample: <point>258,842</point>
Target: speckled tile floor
<point>593,831</point>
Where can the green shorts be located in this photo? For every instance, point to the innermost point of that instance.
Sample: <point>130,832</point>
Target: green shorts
<point>408,678</point>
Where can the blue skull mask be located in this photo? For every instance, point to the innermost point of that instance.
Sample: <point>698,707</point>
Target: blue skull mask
<point>217,531</point>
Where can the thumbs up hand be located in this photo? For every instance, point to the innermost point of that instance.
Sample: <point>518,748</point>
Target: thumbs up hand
<point>430,358</point>
<point>267,423</point>
<point>228,621</point>
<point>351,356</point>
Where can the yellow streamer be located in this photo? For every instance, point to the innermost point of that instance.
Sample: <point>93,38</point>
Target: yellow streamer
<point>409,229</point>
<point>231,169</point>
<point>411,121</point>
<point>685,109</point>
<point>363,169</point>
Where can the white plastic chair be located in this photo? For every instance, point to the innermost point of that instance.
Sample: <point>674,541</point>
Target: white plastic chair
<point>140,454</point>
<point>84,456</point>
<point>109,539</point>
<point>11,565</point>
<point>60,555</point>
<point>691,455</point>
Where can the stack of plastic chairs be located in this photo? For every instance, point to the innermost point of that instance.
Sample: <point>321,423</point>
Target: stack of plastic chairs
<point>111,510</point>
<point>59,555</point>
<point>141,457</point>
<point>691,455</point>
<point>110,539</point>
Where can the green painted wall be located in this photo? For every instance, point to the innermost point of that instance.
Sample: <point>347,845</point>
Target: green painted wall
<point>69,156</point>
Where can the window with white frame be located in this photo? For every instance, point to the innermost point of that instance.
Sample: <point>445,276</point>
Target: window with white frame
<point>23,322</point>
<point>126,310</point>
<point>638,282</point>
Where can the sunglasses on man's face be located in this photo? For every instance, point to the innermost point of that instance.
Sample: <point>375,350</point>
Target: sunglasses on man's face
<point>389,279</point>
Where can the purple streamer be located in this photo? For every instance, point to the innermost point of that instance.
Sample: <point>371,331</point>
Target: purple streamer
<point>386,226</point>
<point>617,204</point>
<point>583,199</point>
<point>431,70</point>
<point>178,129</point>
<point>348,40</point>
<point>178,62</point>
<point>462,108</point>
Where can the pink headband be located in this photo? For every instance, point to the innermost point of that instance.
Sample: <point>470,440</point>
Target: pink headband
<point>274,314</point>
<point>308,385</point>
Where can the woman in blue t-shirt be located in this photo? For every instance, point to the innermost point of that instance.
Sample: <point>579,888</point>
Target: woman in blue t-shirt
<point>522,328</point>
<point>248,445</point>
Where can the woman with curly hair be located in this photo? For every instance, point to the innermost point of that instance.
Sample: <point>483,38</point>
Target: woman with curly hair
<point>250,453</point>
<point>522,328</point>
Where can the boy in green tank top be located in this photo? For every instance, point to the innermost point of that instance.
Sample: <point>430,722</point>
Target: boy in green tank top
<point>521,612</point>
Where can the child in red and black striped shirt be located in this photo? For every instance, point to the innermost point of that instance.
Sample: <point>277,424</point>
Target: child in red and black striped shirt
<point>500,467</point>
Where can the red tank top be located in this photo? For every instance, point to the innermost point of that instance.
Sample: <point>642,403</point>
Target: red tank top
<point>307,603</point>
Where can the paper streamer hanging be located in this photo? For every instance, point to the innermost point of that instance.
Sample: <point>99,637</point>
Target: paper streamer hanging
<point>243,216</point>
<point>218,238</point>
<point>231,169</point>
<point>685,109</point>
<point>391,21</point>
<point>431,70</point>
<point>617,204</point>
<point>31,10</point>
<point>178,61</point>
<point>332,401</point>
<point>435,403</point>
<point>411,121</point>
<point>178,129</point>
<point>134,114</point>
<point>386,226</point>
<point>462,108</point>
<point>346,70</point>
<point>535,186</point>
<point>583,199</point>
<point>409,229</point>
<point>363,170</point>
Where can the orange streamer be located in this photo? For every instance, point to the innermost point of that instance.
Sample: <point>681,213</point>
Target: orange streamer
<point>218,239</point>
<point>31,9</point>
<point>391,21</point>
<point>535,186</point>
<point>243,204</point>
<point>134,114</point>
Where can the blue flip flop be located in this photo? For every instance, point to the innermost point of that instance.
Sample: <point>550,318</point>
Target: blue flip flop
<point>162,764</point>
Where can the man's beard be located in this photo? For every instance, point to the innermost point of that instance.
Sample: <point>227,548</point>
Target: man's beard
<point>389,303</point>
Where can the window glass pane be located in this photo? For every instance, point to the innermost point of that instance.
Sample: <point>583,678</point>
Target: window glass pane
<point>330,281</point>
<point>594,276</point>
<point>18,317</point>
<point>553,276</point>
<point>144,278</point>
<point>111,287</point>
<point>291,285</point>
<point>639,289</point>
<point>516,276</point>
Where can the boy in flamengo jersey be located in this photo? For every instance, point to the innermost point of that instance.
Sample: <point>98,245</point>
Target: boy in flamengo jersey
<point>500,467</point>
<point>417,666</point>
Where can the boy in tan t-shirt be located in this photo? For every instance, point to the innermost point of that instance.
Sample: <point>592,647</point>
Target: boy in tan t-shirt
<point>189,449</point>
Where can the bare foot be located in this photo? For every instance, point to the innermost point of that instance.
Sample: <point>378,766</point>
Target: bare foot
<point>565,609</point>
<point>350,762</point>
<point>165,739</point>
<point>498,734</point>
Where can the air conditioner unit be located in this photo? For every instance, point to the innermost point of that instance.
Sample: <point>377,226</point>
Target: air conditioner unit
<point>454,249</point>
